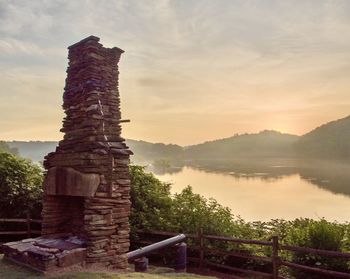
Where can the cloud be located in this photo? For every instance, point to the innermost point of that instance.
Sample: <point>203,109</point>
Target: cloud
<point>156,82</point>
<point>184,59</point>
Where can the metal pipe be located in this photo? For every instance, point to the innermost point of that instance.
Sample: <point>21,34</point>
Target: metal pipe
<point>155,246</point>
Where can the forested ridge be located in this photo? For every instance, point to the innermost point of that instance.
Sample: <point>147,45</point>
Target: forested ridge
<point>329,141</point>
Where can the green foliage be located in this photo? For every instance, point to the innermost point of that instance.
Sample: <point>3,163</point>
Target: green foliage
<point>20,186</point>
<point>319,235</point>
<point>151,201</point>
<point>155,209</point>
<point>316,234</point>
<point>192,211</point>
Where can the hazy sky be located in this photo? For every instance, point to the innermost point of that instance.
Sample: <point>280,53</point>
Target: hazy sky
<point>192,70</point>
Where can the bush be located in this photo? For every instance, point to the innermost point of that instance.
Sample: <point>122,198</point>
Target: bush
<point>151,201</point>
<point>20,187</point>
<point>154,208</point>
<point>191,211</point>
<point>319,235</point>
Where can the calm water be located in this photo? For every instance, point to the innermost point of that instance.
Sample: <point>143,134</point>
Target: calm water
<point>289,194</point>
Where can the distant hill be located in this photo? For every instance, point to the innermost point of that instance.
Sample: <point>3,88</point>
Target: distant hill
<point>264,144</point>
<point>144,151</point>
<point>148,152</point>
<point>34,150</point>
<point>331,141</point>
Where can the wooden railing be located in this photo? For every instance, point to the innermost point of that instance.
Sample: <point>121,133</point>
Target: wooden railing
<point>197,242</point>
<point>28,232</point>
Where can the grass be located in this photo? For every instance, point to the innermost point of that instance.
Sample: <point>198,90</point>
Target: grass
<point>9,270</point>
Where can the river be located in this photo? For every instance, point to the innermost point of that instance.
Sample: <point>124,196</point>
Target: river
<point>279,191</point>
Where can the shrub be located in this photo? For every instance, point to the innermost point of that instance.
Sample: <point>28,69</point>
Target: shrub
<point>151,201</point>
<point>20,187</point>
<point>319,235</point>
<point>191,211</point>
<point>154,208</point>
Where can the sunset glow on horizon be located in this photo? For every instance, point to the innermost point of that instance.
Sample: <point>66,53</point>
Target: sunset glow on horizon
<point>192,71</point>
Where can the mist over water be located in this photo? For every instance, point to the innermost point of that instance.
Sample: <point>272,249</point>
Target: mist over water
<point>270,189</point>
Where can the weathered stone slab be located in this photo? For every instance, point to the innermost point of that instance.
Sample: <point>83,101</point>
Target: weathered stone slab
<point>69,182</point>
<point>68,258</point>
<point>36,253</point>
<point>58,244</point>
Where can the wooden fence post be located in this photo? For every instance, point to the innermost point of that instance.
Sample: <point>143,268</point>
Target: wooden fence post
<point>275,258</point>
<point>28,225</point>
<point>201,248</point>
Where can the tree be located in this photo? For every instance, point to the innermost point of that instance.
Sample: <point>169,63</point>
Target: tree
<point>154,208</point>
<point>151,201</point>
<point>191,211</point>
<point>20,186</point>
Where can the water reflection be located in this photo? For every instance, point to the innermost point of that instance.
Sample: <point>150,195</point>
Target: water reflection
<point>333,176</point>
<point>273,188</point>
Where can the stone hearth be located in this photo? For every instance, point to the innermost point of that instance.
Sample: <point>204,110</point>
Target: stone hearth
<point>47,253</point>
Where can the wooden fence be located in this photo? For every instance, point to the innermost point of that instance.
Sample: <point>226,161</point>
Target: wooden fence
<point>28,232</point>
<point>199,243</point>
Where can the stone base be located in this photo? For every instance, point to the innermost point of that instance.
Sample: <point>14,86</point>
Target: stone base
<point>46,254</point>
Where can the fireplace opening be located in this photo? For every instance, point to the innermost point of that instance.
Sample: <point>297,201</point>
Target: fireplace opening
<point>66,216</point>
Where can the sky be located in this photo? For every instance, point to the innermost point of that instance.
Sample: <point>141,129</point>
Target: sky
<point>192,71</point>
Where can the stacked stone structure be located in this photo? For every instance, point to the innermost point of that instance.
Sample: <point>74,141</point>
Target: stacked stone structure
<point>86,189</point>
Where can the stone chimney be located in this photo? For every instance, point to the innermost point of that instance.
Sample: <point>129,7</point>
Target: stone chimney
<point>86,188</point>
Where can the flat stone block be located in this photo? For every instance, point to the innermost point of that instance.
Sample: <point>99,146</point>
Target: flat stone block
<point>68,258</point>
<point>70,182</point>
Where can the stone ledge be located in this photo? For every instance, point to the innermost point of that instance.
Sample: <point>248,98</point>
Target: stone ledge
<point>83,41</point>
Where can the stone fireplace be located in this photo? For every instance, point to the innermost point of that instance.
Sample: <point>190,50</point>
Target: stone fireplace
<point>86,188</point>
